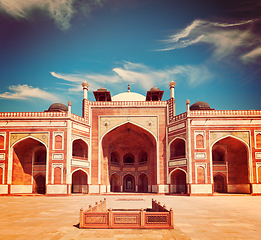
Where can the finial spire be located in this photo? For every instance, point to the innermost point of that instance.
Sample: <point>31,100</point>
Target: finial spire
<point>128,87</point>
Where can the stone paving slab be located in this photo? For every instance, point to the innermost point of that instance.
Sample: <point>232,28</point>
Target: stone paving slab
<point>216,217</point>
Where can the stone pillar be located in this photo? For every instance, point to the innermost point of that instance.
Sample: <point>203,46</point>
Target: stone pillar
<point>85,86</point>
<point>172,87</point>
<point>69,108</point>
<point>188,110</point>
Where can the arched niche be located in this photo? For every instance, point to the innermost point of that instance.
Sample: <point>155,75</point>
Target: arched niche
<point>115,158</point>
<point>143,183</point>
<point>80,149</point>
<point>129,159</point>
<point>219,154</point>
<point>143,158</point>
<point>177,148</point>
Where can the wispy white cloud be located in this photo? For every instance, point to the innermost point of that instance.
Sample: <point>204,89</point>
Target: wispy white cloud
<point>136,73</point>
<point>252,55</point>
<point>227,39</point>
<point>61,11</point>
<point>26,92</point>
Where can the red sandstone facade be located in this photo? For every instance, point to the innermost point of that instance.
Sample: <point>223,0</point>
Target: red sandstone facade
<point>130,143</point>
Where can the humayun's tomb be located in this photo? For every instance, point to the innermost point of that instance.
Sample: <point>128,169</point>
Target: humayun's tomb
<point>130,143</point>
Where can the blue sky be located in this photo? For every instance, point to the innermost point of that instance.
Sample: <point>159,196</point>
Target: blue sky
<point>211,49</point>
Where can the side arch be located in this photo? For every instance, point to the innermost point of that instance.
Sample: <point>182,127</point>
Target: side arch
<point>236,162</point>
<point>169,175</point>
<point>32,137</point>
<point>39,184</point>
<point>178,180</point>
<point>79,179</point>
<point>115,182</point>
<point>223,137</point>
<point>30,142</point>
<point>80,169</point>
<point>143,182</point>
<point>178,138</point>
<point>80,138</point>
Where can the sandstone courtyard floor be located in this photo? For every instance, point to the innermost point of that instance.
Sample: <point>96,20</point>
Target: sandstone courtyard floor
<point>215,217</point>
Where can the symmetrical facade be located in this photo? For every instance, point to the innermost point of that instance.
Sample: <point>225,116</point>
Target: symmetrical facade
<point>130,143</point>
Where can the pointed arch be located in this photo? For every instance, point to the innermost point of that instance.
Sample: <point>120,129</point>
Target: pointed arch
<point>81,169</point>
<point>39,186</point>
<point>126,122</point>
<point>220,183</point>
<point>32,137</point>
<point>199,141</point>
<point>2,141</point>
<point>115,182</point>
<point>80,148</point>
<point>129,183</point>
<point>22,156</point>
<point>79,181</point>
<point>177,148</point>
<point>258,140</point>
<point>128,140</point>
<point>143,182</point>
<point>178,180</point>
<point>236,162</point>
<point>169,176</point>
<point>58,142</point>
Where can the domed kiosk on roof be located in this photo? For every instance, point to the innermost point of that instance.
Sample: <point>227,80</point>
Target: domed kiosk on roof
<point>154,89</point>
<point>199,105</point>
<point>57,107</point>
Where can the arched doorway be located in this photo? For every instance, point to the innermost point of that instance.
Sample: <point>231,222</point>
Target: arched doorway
<point>219,184</point>
<point>143,183</point>
<point>178,182</point>
<point>129,149</point>
<point>79,182</point>
<point>40,184</point>
<point>231,156</point>
<point>128,183</point>
<point>115,183</point>
<point>29,165</point>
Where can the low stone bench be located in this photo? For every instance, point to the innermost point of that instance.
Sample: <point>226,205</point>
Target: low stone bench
<point>99,217</point>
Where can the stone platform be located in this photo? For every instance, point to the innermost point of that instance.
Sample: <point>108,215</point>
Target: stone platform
<point>216,217</point>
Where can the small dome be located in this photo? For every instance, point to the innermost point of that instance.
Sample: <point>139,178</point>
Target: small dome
<point>58,107</point>
<point>128,96</point>
<point>200,106</point>
<point>102,89</point>
<point>154,89</point>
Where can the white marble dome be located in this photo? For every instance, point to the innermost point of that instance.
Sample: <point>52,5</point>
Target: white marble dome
<point>128,96</point>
